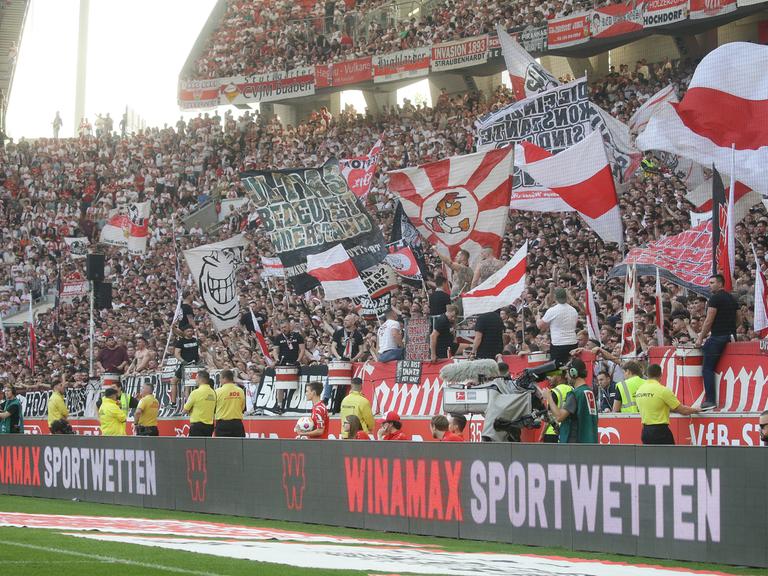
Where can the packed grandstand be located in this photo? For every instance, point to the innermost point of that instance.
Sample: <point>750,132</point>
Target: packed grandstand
<point>57,188</point>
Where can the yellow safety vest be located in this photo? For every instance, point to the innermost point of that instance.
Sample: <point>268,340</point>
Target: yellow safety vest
<point>559,393</point>
<point>627,390</point>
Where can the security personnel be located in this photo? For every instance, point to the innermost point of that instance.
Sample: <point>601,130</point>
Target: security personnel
<point>230,405</point>
<point>655,402</point>
<point>146,412</point>
<point>355,404</point>
<point>123,399</point>
<point>578,414</point>
<point>111,417</point>
<point>559,392</point>
<point>627,388</point>
<point>200,406</point>
<point>57,406</point>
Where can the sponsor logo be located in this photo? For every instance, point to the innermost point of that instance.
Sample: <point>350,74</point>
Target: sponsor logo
<point>197,473</point>
<point>294,480</point>
<point>608,435</point>
<point>405,487</point>
<point>20,465</point>
<point>110,470</point>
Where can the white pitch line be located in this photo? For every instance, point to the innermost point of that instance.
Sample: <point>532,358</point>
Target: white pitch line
<point>111,560</point>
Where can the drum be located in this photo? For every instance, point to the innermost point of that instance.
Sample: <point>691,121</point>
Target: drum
<point>190,375</point>
<point>109,380</point>
<point>688,375</point>
<point>339,373</point>
<point>286,377</point>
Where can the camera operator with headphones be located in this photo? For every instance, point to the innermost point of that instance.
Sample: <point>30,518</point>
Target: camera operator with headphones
<point>578,414</point>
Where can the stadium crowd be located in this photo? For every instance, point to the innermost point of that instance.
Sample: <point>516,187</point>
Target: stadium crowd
<point>57,188</point>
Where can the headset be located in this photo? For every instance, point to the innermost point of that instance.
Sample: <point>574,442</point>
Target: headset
<point>576,369</point>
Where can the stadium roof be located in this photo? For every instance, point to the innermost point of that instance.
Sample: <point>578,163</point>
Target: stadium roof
<point>12,18</point>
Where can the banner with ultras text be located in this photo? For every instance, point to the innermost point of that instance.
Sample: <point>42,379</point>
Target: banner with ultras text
<point>685,503</point>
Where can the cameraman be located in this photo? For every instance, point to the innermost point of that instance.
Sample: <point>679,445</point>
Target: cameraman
<point>578,414</point>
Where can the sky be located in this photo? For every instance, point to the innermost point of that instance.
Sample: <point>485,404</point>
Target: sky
<point>136,49</point>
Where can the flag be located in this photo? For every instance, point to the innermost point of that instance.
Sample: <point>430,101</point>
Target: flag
<point>337,273</point>
<point>760,321</point>
<point>659,311</point>
<point>719,209</point>
<point>272,267</point>
<point>701,198</point>
<point>260,338</point>
<point>403,261</point>
<point>628,333</point>
<point>725,104</point>
<point>214,270</point>
<point>528,77</point>
<point>593,327</point>
<point>2,333</point>
<point>504,287</point>
<point>529,195</point>
<point>128,227</point>
<point>31,340</point>
<point>359,171</point>
<point>582,177</point>
<point>78,247</point>
<point>642,115</point>
<point>728,254</point>
<point>460,202</point>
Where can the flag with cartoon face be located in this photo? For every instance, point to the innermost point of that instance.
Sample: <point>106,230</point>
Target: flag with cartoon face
<point>214,268</point>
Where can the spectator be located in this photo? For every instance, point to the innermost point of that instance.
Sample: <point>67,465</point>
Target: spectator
<point>440,297</point>
<point>489,341</point>
<point>351,428</point>
<point>143,357</point>
<point>145,416</point>
<point>578,414</point>
<point>462,274</point>
<point>57,405</point>
<point>390,338</point>
<point>442,342</point>
<point>391,428</point>
<point>313,392</point>
<point>561,321</point>
<point>288,349</point>
<point>57,124</point>
<point>357,405</point>
<point>486,266</point>
<point>606,391</point>
<point>627,388</point>
<point>111,417</point>
<point>348,342</point>
<point>113,359</point>
<point>439,427</point>
<point>187,351</point>
<point>720,325</point>
<point>655,402</point>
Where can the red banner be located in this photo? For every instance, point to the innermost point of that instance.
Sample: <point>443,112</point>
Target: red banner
<point>460,54</point>
<point>199,93</point>
<point>710,8</point>
<point>341,73</point>
<point>616,19</point>
<point>568,31</point>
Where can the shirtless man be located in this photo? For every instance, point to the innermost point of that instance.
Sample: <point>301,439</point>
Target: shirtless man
<point>143,356</point>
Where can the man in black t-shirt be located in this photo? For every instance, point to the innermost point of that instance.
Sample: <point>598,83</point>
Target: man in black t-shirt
<point>187,351</point>
<point>720,324</point>
<point>187,319</point>
<point>440,298</point>
<point>348,341</point>
<point>288,349</point>
<point>489,330</point>
<point>441,341</point>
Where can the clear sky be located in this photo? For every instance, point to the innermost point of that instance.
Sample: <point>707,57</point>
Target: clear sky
<point>136,49</point>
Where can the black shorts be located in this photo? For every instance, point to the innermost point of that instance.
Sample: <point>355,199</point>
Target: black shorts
<point>200,429</point>
<point>147,431</point>
<point>562,352</point>
<point>657,434</point>
<point>230,429</point>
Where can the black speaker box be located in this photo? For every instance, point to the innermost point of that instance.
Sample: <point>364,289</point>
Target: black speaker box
<point>94,267</point>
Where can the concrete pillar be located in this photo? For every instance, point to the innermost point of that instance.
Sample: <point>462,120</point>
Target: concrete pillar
<point>82,63</point>
<point>371,103</point>
<point>334,106</point>
<point>600,65</point>
<point>581,66</point>
<point>286,112</point>
<point>707,41</point>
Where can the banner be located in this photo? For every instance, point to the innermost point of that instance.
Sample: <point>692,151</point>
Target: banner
<point>710,8</point>
<point>373,308</point>
<point>309,210</point>
<point>534,39</point>
<point>379,279</point>
<point>412,63</point>
<point>344,72</point>
<point>199,93</point>
<point>74,285</point>
<point>272,267</point>
<point>78,247</point>
<point>214,270</point>
<point>628,325</point>
<point>460,53</point>
<point>616,20</point>
<point>417,331</point>
<point>359,171</point>
<point>268,87</point>
<point>663,12</point>
<point>128,227</point>
<point>568,31</point>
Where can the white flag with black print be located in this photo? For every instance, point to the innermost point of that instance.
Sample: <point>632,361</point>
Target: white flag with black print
<point>77,247</point>
<point>214,270</point>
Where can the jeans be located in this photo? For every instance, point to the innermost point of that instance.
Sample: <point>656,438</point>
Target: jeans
<point>391,354</point>
<point>713,349</point>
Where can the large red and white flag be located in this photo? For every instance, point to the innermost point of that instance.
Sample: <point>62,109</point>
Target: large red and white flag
<point>534,197</point>
<point>593,327</point>
<point>528,77</point>
<point>260,339</point>
<point>272,267</point>
<point>628,327</point>
<point>642,115</point>
<point>726,104</point>
<point>403,261</point>
<point>760,321</point>
<point>337,273</point>
<point>659,311</point>
<point>359,171</point>
<point>460,202</point>
<point>501,289</point>
<point>581,176</point>
<point>701,197</point>
<point>128,227</point>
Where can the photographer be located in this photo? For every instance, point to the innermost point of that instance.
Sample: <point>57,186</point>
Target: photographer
<point>578,414</point>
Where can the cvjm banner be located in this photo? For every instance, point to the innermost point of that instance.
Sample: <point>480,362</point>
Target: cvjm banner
<point>411,63</point>
<point>309,210</point>
<point>460,54</point>
<point>128,227</point>
<point>268,87</point>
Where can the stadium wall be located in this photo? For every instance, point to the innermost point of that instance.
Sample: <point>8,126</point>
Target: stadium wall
<point>683,503</point>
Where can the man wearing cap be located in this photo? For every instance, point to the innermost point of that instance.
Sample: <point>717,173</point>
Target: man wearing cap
<point>113,359</point>
<point>111,417</point>
<point>391,428</point>
<point>560,320</point>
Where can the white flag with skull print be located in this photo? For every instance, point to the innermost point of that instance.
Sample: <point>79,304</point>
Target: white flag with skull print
<point>214,268</point>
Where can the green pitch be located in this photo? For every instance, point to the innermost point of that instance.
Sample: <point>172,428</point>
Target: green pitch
<point>27,551</point>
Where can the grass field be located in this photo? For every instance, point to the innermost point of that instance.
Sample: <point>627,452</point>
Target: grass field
<point>29,551</point>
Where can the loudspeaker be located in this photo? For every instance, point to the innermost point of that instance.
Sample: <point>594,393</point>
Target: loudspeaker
<point>102,295</point>
<point>94,267</point>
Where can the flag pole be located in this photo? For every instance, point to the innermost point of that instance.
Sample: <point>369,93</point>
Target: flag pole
<point>90,332</point>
